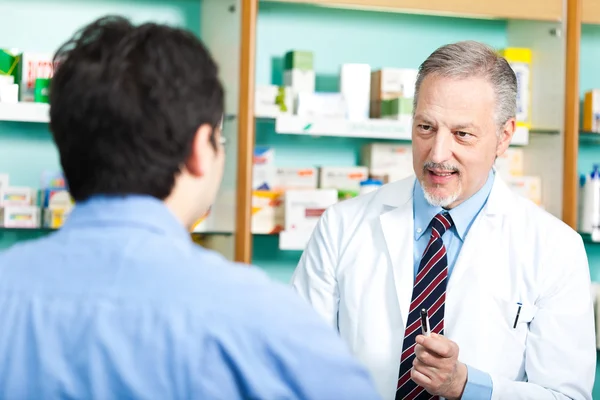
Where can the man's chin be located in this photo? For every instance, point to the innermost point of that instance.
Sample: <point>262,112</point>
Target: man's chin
<point>440,198</point>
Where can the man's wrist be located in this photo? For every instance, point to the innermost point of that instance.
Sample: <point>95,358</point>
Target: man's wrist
<point>458,386</point>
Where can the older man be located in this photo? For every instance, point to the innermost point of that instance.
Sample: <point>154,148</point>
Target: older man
<point>505,284</point>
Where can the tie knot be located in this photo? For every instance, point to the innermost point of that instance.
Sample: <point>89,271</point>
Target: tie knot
<point>440,224</point>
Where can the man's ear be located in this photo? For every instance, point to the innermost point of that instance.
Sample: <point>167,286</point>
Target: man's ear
<point>505,137</point>
<point>200,153</point>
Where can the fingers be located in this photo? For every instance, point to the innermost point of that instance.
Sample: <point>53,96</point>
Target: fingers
<point>438,344</point>
<point>417,374</point>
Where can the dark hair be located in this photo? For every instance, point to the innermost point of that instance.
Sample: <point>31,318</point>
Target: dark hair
<point>126,103</point>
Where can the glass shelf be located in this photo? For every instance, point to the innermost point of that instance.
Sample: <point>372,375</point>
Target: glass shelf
<point>545,131</point>
<point>587,238</point>
<point>28,230</point>
<point>589,137</point>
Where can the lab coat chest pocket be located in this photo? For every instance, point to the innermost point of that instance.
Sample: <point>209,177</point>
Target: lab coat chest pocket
<point>515,319</point>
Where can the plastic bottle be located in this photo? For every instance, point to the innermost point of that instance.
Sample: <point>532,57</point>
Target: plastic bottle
<point>591,202</point>
<point>369,185</point>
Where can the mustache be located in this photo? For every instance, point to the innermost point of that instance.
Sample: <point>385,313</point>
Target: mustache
<point>442,166</point>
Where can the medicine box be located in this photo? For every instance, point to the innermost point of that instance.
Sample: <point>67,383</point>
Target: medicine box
<point>591,111</point>
<point>520,61</point>
<point>299,59</point>
<point>342,177</point>
<point>289,178</point>
<point>267,212</point>
<point>321,105</point>
<point>303,208</point>
<point>510,163</point>
<point>56,199</point>
<point>300,81</point>
<point>9,93</point>
<point>31,67</point>
<point>397,108</point>
<point>346,180</point>
<point>388,162</point>
<point>529,187</point>
<point>263,171</point>
<point>272,101</point>
<point>355,85</point>
<point>54,218</point>
<point>16,196</point>
<point>20,216</point>
<point>389,83</point>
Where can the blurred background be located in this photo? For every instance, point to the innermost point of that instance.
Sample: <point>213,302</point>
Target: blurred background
<point>318,108</point>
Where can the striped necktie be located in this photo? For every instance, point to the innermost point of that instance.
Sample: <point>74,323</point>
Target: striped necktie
<point>429,292</point>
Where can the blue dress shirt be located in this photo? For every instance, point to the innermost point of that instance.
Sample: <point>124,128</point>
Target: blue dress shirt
<point>121,304</point>
<point>479,383</point>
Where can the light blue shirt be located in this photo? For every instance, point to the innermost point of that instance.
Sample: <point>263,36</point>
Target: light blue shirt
<point>120,303</point>
<point>479,383</point>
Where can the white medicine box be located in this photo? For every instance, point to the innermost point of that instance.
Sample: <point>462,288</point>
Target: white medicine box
<point>289,178</point>
<point>16,196</point>
<point>267,212</point>
<point>344,178</point>
<point>273,100</point>
<point>20,216</point>
<point>388,162</point>
<point>303,208</point>
<point>355,86</point>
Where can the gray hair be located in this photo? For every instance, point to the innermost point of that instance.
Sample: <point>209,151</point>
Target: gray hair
<point>467,59</point>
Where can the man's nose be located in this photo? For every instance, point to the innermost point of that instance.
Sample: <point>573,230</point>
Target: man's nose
<point>441,150</point>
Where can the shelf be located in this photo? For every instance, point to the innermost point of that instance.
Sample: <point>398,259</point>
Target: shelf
<point>589,137</point>
<point>25,112</point>
<point>537,10</point>
<point>28,230</point>
<point>587,238</point>
<point>368,129</point>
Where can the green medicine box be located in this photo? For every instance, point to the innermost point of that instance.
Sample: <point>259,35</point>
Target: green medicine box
<point>302,60</point>
<point>9,62</point>
<point>397,106</point>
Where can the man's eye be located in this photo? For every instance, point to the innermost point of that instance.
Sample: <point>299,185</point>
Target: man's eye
<point>463,134</point>
<point>425,127</point>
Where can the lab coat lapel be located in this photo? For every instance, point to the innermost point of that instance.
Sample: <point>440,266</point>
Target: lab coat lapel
<point>481,242</point>
<point>397,226</point>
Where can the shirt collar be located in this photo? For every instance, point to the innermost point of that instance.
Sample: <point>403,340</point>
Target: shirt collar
<point>131,210</point>
<point>463,215</point>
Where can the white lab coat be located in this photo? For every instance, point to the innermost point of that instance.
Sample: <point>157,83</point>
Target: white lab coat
<point>357,272</point>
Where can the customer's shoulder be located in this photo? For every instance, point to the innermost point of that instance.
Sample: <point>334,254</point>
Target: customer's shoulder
<point>252,296</point>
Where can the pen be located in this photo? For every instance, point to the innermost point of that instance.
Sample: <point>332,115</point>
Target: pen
<point>424,322</point>
<point>517,317</point>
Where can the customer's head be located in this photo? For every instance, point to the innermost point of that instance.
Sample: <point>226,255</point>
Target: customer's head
<point>137,110</point>
<point>464,117</point>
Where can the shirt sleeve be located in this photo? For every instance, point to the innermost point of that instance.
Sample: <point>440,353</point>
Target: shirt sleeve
<point>479,385</point>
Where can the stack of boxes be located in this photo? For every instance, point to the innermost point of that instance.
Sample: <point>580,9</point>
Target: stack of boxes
<point>25,76</point>
<point>509,167</point>
<point>293,199</point>
<point>23,207</point>
<point>392,91</point>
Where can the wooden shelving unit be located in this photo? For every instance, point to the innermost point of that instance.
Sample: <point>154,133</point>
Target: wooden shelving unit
<point>539,10</point>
